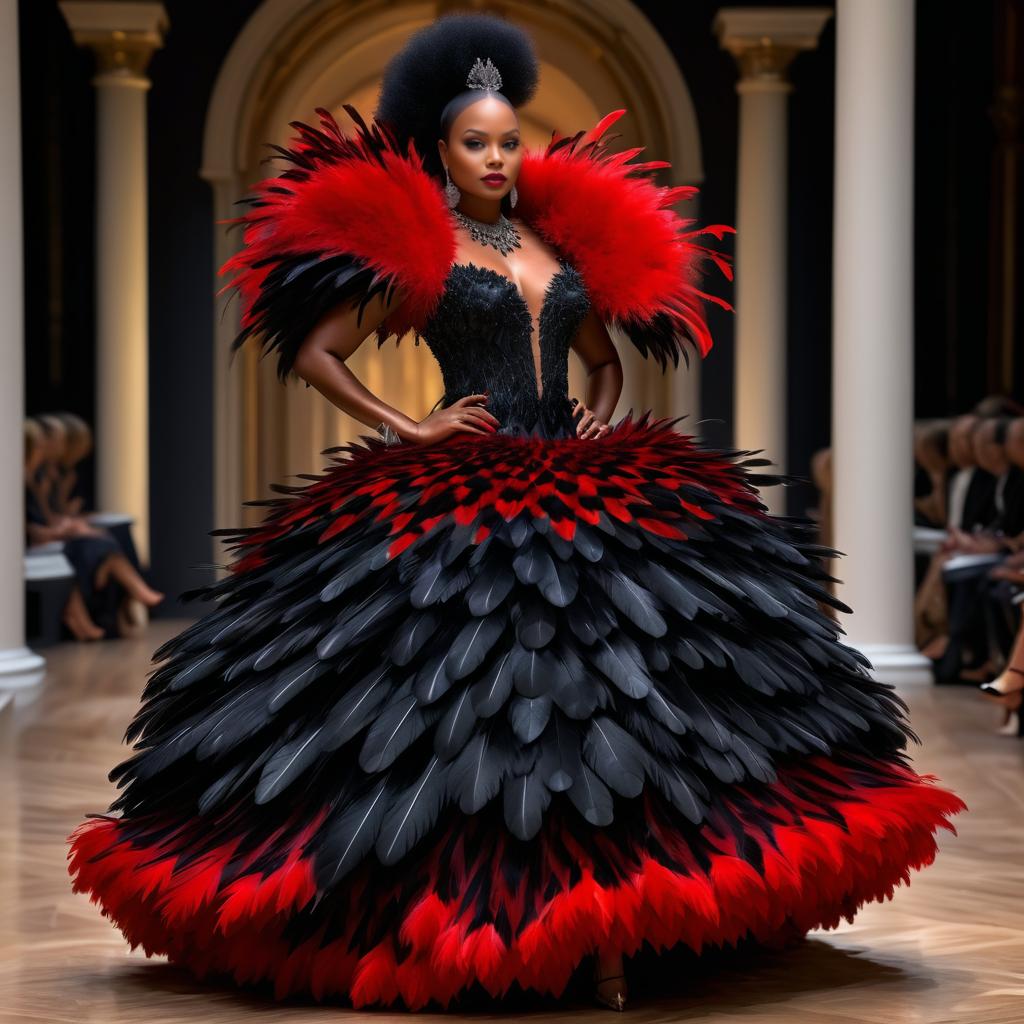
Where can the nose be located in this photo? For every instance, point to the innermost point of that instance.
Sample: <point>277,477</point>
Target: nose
<point>494,158</point>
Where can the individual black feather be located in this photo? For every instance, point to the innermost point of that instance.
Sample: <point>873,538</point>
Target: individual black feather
<point>351,833</point>
<point>575,688</point>
<point>533,672</point>
<point>366,620</point>
<point>413,813</point>
<point>526,798</point>
<point>666,712</point>
<point>588,543</point>
<point>677,787</point>
<point>215,793</point>
<point>562,585</point>
<point>431,681</point>
<point>434,583</point>
<point>355,710</point>
<point>592,798</point>
<point>560,760</point>
<point>620,660</point>
<point>490,693</point>
<point>615,755</point>
<point>234,723</point>
<point>528,716</point>
<point>455,728</point>
<point>288,764</point>
<point>536,626</point>
<point>412,634</point>
<point>700,713</point>
<point>354,572</point>
<point>474,641</point>
<point>676,593</point>
<point>490,588</point>
<point>394,729</point>
<point>534,563</point>
<point>755,758</point>
<point>475,776</point>
<point>761,597</point>
<point>586,626</point>
<point>198,668</point>
<point>293,679</point>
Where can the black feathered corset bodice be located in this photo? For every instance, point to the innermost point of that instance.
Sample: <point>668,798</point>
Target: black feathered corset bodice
<point>481,336</point>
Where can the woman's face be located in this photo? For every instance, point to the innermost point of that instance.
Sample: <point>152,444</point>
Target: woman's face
<point>484,152</point>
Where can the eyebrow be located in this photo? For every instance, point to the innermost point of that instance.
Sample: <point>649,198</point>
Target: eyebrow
<point>480,131</point>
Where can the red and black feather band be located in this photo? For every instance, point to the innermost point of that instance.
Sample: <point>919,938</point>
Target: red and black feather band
<point>356,216</point>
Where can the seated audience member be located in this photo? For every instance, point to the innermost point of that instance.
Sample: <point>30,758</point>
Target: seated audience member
<point>934,472</point>
<point>44,479</point>
<point>77,446</point>
<point>1007,519</point>
<point>1007,689</point>
<point>966,655</point>
<point>970,503</point>
<point>969,507</point>
<point>105,581</point>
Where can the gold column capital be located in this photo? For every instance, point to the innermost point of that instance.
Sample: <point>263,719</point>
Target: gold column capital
<point>764,41</point>
<point>122,35</point>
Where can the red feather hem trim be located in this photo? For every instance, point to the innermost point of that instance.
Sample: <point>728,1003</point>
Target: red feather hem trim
<point>816,873</point>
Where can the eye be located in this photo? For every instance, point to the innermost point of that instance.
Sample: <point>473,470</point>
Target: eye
<point>512,144</point>
<point>473,143</point>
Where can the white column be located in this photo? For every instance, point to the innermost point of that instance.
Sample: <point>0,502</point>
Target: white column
<point>123,35</point>
<point>873,331</point>
<point>19,666</point>
<point>763,41</point>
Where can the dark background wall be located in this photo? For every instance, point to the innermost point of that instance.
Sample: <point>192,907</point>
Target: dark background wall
<point>953,146</point>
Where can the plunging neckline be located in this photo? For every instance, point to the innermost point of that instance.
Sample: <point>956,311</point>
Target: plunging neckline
<point>535,325</point>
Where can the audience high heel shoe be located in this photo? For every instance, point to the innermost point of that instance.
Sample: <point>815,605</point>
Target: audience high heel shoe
<point>1000,688</point>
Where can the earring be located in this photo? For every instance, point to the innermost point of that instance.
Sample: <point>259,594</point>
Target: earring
<point>513,197</point>
<point>452,195</point>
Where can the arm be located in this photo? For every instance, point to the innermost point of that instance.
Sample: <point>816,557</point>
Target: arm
<point>320,361</point>
<point>65,487</point>
<point>597,352</point>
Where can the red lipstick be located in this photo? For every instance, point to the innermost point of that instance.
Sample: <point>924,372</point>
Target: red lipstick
<point>494,179</point>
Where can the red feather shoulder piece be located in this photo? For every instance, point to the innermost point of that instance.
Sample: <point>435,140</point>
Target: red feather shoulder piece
<point>640,261</point>
<point>357,216</point>
<point>352,217</point>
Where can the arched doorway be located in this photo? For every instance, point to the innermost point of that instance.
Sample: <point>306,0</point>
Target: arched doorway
<point>295,55</point>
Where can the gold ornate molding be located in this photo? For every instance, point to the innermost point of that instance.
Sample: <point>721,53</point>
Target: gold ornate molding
<point>122,35</point>
<point>764,40</point>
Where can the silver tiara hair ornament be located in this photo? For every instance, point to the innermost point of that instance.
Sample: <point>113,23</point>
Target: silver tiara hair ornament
<point>484,75</point>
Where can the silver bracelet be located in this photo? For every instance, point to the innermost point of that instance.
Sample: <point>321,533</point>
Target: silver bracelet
<point>389,433</point>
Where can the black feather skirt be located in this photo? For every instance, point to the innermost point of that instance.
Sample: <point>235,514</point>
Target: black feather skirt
<point>464,712</point>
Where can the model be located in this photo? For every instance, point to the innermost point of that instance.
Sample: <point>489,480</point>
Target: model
<point>511,691</point>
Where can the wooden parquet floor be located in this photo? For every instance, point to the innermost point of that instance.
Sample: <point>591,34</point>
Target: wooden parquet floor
<point>948,948</point>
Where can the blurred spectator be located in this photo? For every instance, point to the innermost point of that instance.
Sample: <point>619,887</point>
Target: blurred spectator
<point>967,654</point>
<point>77,446</point>
<point>106,580</point>
<point>934,472</point>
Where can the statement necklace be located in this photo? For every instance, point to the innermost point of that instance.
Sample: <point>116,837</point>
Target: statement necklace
<point>502,234</point>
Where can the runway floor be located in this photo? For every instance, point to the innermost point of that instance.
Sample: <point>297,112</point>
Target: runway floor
<point>950,947</point>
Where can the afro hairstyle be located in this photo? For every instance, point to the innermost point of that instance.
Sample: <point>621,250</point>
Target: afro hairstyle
<point>432,68</point>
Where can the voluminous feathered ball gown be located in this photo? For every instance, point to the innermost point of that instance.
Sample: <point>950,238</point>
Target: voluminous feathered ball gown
<point>465,711</point>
